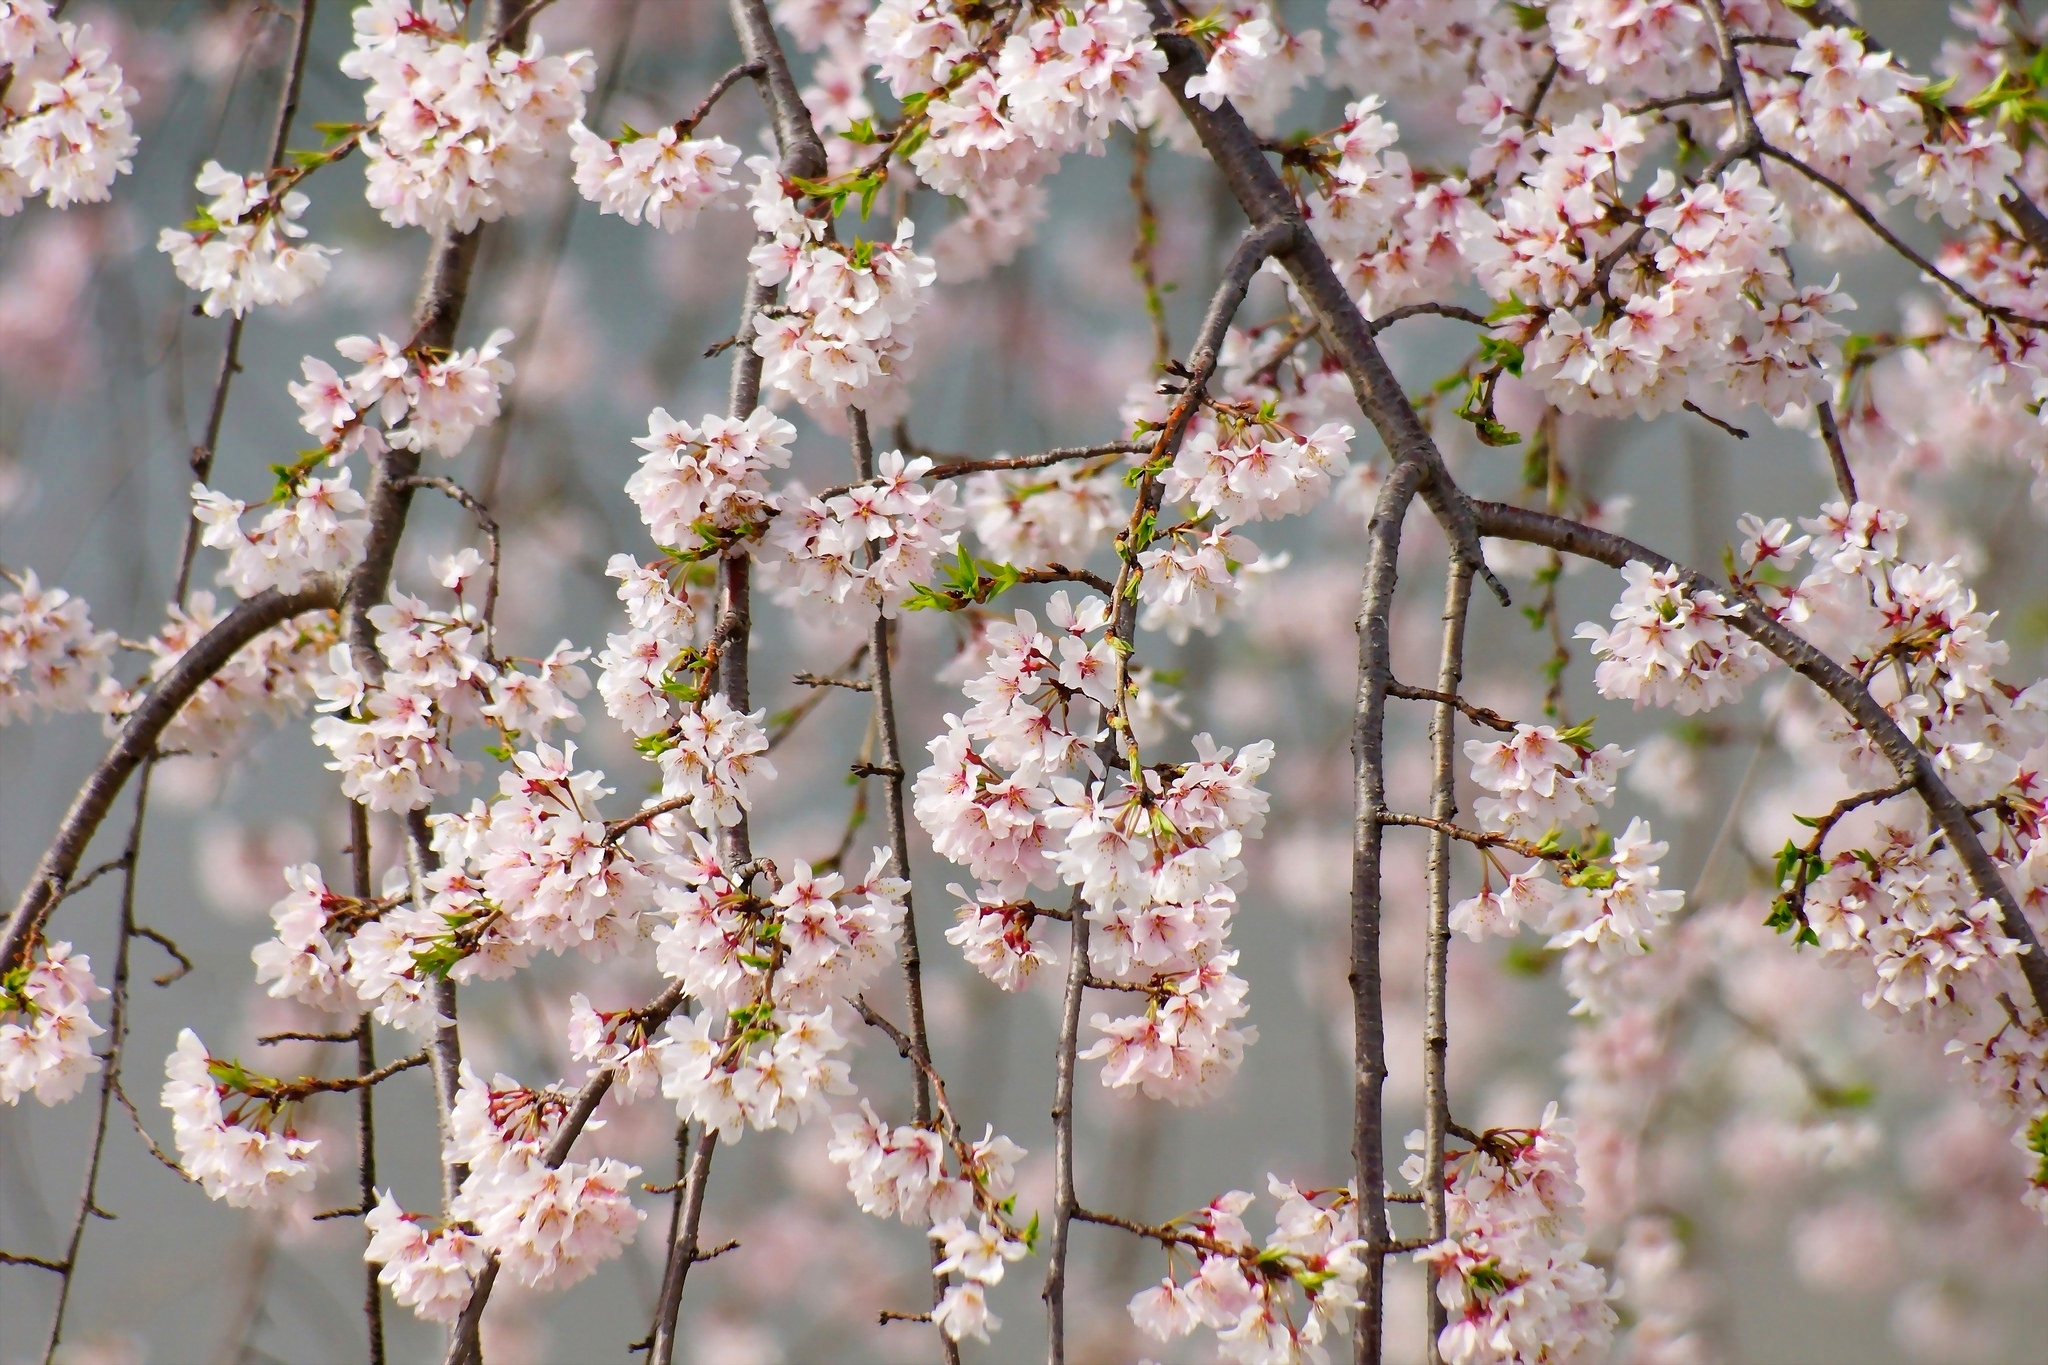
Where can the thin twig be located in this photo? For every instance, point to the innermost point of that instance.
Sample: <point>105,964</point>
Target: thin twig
<point>1696,410</point>
<point>485,523</point>
<point>1492,720</point>
<point>1412,310</point>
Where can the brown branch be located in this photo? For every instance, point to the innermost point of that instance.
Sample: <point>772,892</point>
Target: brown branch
<point>1842,686</point>
<point>39,1262</point>
<point>1412,310</point>
<point>162,941</point>
<point>687,124</point>
<point>1259,242</point>
<point>1492,720</point>
<point>1443,739</point>
<point>1368,1022</point>
<point>1696,410</point>
<point>1838,457</point>
<point>1897,243</point>
<point>1347,336</point>
<point>890,767</point>
<point>850,684</point>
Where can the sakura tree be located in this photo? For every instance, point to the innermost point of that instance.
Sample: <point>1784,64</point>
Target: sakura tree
<point>677,709</point>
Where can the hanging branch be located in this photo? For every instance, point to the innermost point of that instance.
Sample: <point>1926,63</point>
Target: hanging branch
<point>138,740</point>
<point>366,1115</point>
<point>802,157</point>
<point>1443,751</point>
<point>110,1075</point>
<point>231,352</point>
<point>1368,1022</point>
<point>1253,248</point>
<point>1847,691</point>
<point>890,770</point>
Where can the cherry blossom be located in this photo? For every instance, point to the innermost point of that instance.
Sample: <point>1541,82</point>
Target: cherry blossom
<point>65,124</point>
<point>462,132</point>
<point>241,251</point>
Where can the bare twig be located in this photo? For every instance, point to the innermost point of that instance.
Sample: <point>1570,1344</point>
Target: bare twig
<point>163,941</point>
<point>1492,720</point>
<point>687,124</point>
<point>850,684</point>
<point>1838,457</point>
<point>1413,310</point>
<point>1696,410</point>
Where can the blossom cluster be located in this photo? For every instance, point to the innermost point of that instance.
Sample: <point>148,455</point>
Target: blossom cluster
<point>461,132</point>
<point>424,399</point>
<point>661,178</point>
<point>390,720</point>
<point>1016,793</point>
<point>1671,645</point>
<point>548,1223</point>
<point>707,477</point>
<point>770,972</point>
<point>46,1028</point>
<point>1241,1288</point>
<point>1694,298</point>
<point>51,658</point>
<point>242,250</point>
<point>240,1146</point>
<point>310,530</point>
<point>1611,903</point>
<point>843,332</point>
<point>900,1172</point>
<point>867,549</point>
<point>65,128</point>
<point>1512,1274</point>
<point>268,679</point>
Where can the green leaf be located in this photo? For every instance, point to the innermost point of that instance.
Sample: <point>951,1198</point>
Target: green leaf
<point>1582,733</point>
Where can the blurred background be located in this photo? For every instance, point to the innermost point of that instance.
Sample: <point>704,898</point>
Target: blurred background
<point>1875,1219</point>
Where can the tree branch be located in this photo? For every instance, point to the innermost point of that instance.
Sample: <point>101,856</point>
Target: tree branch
<point>1842,686</point>
<point>1443,740</point>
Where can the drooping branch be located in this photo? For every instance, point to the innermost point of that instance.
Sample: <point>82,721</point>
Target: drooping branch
<point>231,351</point>
<point>1368,1022</point>
<point>890,769</point>
<point>1345,331</point>
<point>1443,746</point>
<point>1843,687</point>
<point>1254,248</point>
<point>802,156</point>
